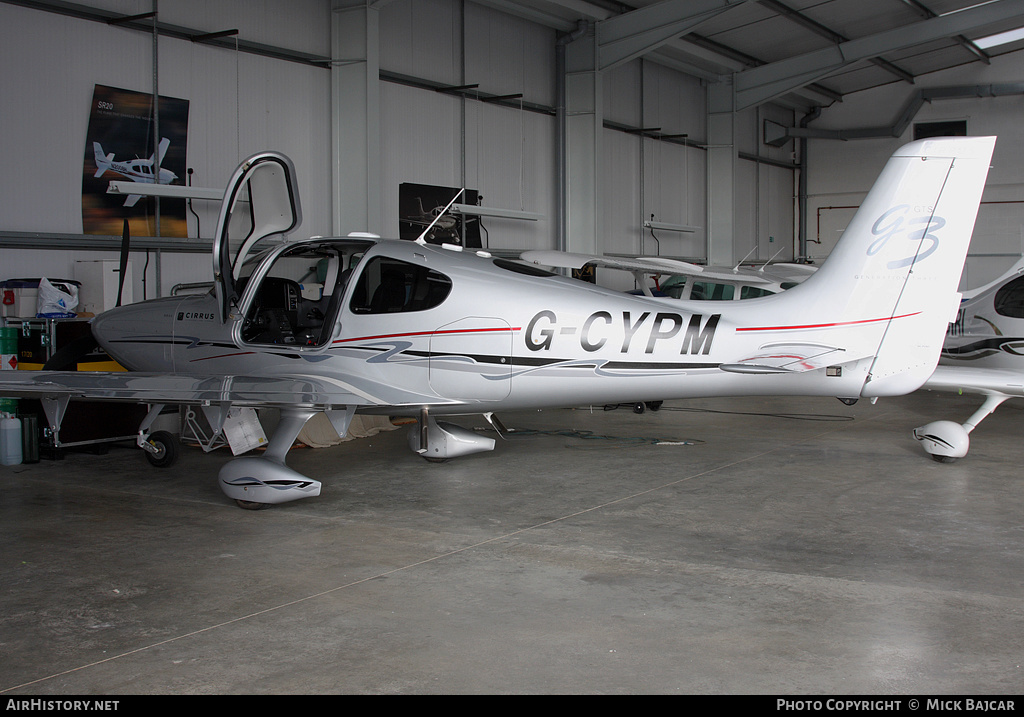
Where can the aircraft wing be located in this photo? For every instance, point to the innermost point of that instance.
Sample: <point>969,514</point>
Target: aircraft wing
<point>644,264</point>
<point>287,391</point>
<point>982,381</point>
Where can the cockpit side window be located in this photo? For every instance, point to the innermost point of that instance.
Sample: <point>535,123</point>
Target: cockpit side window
<point>389,286</point>
<point>1009,300</point>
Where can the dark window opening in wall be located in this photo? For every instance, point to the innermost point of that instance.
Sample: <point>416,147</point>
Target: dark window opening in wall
<point>951,128</point>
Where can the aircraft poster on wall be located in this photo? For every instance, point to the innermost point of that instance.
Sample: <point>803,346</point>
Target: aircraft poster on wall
<point>120,146</point>
<point>421,207</point>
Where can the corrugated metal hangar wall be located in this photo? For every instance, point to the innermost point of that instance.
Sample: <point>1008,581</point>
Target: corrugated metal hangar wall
<point>467,97</point>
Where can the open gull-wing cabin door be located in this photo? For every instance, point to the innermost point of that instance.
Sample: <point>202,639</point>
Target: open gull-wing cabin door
<point>261,204</point>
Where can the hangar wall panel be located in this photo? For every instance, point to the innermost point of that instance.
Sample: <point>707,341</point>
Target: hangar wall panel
<point>239,103</point>
<point>420,142</point>
<point>505,153</point>
<point>242,103</point>
<point>510,160</point>
<point>422,39</point>
<point>509,55</point>
<point>841,173</point>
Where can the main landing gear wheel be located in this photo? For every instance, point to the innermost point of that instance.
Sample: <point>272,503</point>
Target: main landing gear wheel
<point>640,407</point>
<point>251,505</point>
<point>166,449</point>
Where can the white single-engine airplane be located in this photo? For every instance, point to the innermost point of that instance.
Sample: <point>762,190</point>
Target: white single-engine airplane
<point>983,354</point>
<point>147,171</point>
<point>410,329</point>
<point>683,280</point>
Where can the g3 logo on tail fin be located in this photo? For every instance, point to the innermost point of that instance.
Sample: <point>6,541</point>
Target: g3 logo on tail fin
<point>895,221</point>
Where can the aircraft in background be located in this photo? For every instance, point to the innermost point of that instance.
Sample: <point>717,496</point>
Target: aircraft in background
<point>147,171</point>
<point>983,354</point>
<point>683,280</point>
<point>405,328</point>
<point>441,226</point>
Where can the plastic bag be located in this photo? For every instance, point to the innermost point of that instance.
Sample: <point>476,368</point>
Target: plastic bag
<point>55,303</point>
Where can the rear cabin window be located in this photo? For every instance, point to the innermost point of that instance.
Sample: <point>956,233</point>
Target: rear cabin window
<point>710,291</point>
<point>389,286</point>
<point>753,292</point>
<point>674,286</point>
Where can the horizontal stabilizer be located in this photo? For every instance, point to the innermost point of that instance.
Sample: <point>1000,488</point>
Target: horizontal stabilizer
<point>788,357</point>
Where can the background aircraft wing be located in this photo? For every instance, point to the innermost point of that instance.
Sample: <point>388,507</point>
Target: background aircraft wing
<point>982,381</point>
<point>286,391</point>
<point>643,264</point>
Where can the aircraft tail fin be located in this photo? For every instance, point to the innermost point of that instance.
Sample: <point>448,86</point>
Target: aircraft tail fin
<point>158,160</point>
<point>890,285</point>
<point>103,161</point>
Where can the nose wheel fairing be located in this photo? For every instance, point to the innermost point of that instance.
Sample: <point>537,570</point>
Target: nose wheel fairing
<point>266,479</point>
<point>945,441</point>
<point>256,479</point>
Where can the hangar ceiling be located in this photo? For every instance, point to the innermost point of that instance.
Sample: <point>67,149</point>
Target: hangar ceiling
<point>798,53</point>
<point>803,53</point>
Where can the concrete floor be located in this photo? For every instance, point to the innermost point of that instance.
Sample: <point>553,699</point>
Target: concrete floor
<point>795,547</point>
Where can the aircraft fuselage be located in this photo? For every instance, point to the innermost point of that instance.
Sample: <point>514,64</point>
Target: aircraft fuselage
<point>504,336</point>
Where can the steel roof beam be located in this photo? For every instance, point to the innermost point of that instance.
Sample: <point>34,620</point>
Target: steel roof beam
<point>831,35</point>
<point>761,84</point>
<point>965,43</point>
<point>625,37</point>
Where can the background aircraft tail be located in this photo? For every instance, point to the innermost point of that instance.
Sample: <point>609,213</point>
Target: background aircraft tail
<point>164,144</point>
<point>102,161</point>
<point>890,285</point>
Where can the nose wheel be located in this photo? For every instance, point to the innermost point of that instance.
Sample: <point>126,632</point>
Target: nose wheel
<point>162,449</point>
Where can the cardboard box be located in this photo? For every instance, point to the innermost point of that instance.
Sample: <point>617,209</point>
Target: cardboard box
<point>100,281</point>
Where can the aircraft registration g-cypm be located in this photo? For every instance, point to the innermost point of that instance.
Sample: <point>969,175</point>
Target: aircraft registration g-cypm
<point>147,171</point>
<point>983,354</point>
<point>404,328</point>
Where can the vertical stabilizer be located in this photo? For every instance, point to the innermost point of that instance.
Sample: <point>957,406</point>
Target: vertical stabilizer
<point>102,161</point>
<point>890,285</point>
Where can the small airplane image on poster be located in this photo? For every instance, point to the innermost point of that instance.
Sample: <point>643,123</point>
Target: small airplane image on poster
<point>146,171</point>
<point>428,207</point>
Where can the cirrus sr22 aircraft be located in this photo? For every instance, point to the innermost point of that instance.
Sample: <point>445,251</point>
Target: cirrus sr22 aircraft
<point>404,328</point>
<point>983,354</point>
